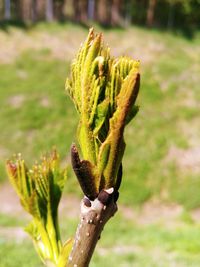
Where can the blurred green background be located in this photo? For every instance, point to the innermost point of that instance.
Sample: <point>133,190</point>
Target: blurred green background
<point>159,207</point>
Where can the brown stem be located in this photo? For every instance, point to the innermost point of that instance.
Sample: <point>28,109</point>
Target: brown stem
<point>94,215</point>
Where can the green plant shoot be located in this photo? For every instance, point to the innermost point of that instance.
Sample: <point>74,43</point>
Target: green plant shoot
<point>104,91</point>
<point>39,190</point>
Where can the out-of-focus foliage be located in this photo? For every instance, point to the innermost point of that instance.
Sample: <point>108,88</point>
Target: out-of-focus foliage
<point>171,14</point>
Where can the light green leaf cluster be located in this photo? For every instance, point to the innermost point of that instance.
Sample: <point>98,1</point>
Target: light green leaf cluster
<point>39,190</point>
<point>104,91</point>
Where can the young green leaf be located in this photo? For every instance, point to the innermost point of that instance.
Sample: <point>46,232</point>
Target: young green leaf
<point>104,91</point>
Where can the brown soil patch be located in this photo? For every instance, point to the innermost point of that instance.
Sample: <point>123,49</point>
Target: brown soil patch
<point>9,233</point>
<point>16,101</point>
<point>153,212</point>
<point>45,102</point>
<point>62,46</point>
<point>9,201</point>
<point>195,215</point>
<point>185,159</point>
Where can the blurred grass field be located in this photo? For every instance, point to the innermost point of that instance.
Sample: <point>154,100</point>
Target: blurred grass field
<point>162,159</point>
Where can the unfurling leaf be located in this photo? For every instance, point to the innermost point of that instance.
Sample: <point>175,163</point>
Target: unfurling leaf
<point>39,190</point>
<point>104,91</point>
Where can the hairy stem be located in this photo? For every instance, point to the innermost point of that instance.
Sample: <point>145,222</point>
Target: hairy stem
<point>94,215</point>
